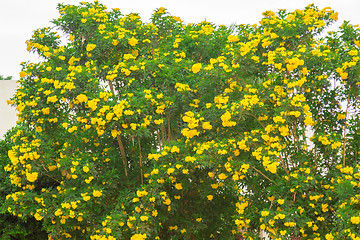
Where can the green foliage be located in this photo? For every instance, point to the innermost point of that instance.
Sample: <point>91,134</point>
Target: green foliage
<point>165,130</point>
<point>14,227</point>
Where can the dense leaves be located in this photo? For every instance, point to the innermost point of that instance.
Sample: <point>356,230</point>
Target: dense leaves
<point>13,227</point>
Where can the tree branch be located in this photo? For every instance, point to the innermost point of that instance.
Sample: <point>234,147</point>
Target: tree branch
<point>141,170</point>
<point>264,176</point>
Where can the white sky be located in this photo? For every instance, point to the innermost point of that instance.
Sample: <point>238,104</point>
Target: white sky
<point>19,18</point>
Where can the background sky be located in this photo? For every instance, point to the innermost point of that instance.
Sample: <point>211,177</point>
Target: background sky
<point>19,18</point>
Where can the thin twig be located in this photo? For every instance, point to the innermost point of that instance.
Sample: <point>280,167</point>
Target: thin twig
<point>264,175</point>
<point>158,137</point>
<point>52,177</point>
<point>256,119</point>
<point>141,170</point>
<point>169,128</point>
<point>122,150</point>
<point>296,141</point>
<point>282,163</point>
<point>294,196</point>
<point>120,143</point>
<point>344,128</point>
<point>111,87</point>
<point>163,133</point>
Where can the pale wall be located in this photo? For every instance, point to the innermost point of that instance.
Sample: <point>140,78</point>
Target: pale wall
<point>8,116</point>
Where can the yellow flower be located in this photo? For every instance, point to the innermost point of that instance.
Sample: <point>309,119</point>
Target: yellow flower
<point>344,75</point>
<point>31,177</point>
<point>235,177</point>
<point>178,186</point>
<point>138,237</point>
<point>255,59</point>
<point>278,119</point>
<point>355,220</point>
<point>115,42</point>
<point>329,236</point>
<point>167,201</point>
<point>170,171</point>
<point>86,198</point>
<point>90,47</point>
<point>58,212</point>
<point>335,16</point>
<point>335,145</point>
<point>154,213</point>
<point>196,67</point>
<point>210,197</point>
<point>66,205</point>
<point>52,99</point>
<point>222,152</point>
<point>72,129</point>
<point>23,74</point>
<point>52,168</point>
<point>308,121</point>
<point>225,120</point>
<point>97,193</point>
<point>268,13</point>
<point>357,43</point>
<point>175,149</point>
<point>272,167</point>
<point>281,201</point>
<point>341,116</point>
<point>290,224</point>
<point>222,176</point>
<point>144,218</point>
<point>82,98</point>
<point>161,10</point>
<point>133,41</point>
<point>38,217</point>
<point>45,110</point>
<point>206,126</point>
<point>232,38</point>
<point>264,213</point>
<point>141,193</point>
<point>284,131</point>
<point>85,169</point>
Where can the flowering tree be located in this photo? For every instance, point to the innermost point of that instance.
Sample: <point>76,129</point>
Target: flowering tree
<point>162,130</point>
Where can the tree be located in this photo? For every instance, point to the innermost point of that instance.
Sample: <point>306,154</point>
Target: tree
<point>5,78</point>
<point>165,130</point>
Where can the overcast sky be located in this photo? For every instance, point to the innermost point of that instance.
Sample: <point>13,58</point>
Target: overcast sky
<point>19,18</point>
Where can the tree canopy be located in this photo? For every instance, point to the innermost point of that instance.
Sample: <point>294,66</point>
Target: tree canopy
<point>164,130</point>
